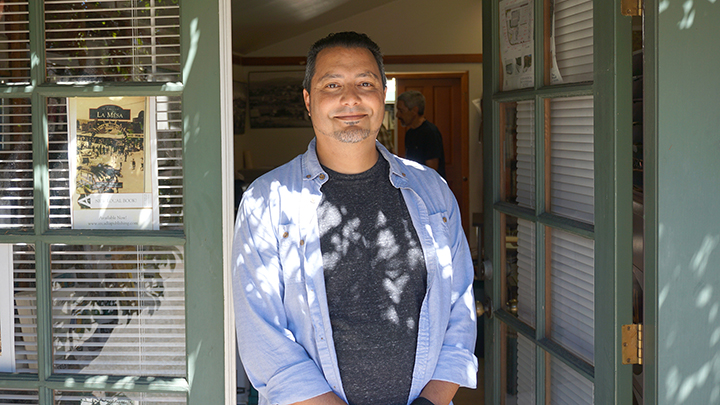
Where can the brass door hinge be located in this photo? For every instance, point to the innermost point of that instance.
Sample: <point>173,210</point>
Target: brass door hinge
<point>632,348</point>
<point>631,8</point>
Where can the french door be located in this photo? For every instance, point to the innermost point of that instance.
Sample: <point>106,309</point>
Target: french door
<point>557,142</point>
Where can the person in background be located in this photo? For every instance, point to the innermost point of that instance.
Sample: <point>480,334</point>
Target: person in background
<point>352,276</point>
<point>423,141</point>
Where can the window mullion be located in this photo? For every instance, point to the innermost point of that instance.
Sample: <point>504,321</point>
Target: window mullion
<point>44,310</point>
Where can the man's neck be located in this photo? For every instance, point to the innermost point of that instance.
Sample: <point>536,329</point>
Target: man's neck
<point>417,122</point>
<point>347,158</point>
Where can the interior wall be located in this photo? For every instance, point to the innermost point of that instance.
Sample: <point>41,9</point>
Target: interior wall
<point>403,27</point>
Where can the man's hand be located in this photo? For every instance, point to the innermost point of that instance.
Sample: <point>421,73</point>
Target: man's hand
<point>439,392</point>
<point>328,398</point>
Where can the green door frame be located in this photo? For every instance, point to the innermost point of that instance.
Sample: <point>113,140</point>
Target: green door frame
<point>207,166</point>
<point>612,232</point>
<point>682,228</point>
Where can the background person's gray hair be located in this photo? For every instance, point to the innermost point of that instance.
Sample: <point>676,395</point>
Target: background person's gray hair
<point>412,99</point>
<point>347,39</point>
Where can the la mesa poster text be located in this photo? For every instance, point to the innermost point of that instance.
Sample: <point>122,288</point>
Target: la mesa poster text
<point>112,173</point>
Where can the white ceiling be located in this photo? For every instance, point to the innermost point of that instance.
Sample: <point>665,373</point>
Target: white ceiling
<point>260,23</point>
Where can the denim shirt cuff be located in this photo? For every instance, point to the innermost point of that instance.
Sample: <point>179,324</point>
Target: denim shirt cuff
<point>296,383</point>
<point>457,366</point>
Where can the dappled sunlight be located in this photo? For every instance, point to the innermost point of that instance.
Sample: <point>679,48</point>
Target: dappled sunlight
<point>700,260</point>
<point>192,52</point>
<point>392,249</point>
<point>689,14</point>
<point>688,335</point>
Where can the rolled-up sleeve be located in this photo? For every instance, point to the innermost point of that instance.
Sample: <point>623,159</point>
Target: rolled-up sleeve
<point>278,367</point>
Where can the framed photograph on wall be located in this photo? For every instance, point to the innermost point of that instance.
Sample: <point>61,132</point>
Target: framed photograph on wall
<point>276,100</point>
<point>240,98</point>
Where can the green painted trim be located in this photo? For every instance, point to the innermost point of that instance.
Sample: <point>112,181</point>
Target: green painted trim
<point>651,290</point>
<point>566,224</point>
<point>98,237</point>
<point>555,91</point>
<point>117,383</point>
<point>514,323</point>
<point>110,237</point>
<point>202,148</point>
<point>41,180</point>
<point>21,381</point>
<point>16,91</point>
<point>613,199</point>
<point>581,366</point>
<point>110,89</point>
<point>566,356</point>
<point>36,14</point>
<point>43,286</point>
<point>515,211</point>
<point>493,362</point>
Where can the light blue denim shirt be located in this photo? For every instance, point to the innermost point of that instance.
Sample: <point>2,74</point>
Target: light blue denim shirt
<point>281,312</point>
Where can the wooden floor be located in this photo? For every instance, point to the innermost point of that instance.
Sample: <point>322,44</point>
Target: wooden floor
<point>466,396</point>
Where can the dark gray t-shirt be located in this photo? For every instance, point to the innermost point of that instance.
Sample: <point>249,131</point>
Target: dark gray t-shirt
<point>375,278</point>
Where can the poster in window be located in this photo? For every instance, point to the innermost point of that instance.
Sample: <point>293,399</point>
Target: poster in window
<point>112,173</point>
<point>516,44</point>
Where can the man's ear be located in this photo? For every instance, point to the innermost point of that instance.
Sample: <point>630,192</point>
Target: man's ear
<point>306,97</point>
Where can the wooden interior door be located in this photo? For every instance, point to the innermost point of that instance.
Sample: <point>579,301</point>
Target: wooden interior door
<point>446,106</point>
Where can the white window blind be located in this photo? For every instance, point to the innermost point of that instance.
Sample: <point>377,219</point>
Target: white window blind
<point>118,310</point>
<point>567,387</point>
<point>526,198</point>
<point>169,162</point>
<point>526,154</point>
<point>573,293</point>
<point>112,40</point>
<point>16,164</point>
<point>15,43</point>
<point>572,177</point>
<point>526,271</point>
<point>22,263</point>
<point>574,39</point>
<point>525,371</point>
<point>14,397</point>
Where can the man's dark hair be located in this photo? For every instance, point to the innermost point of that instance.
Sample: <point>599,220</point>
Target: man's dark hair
<point>412,99</point>
<point>348,39</point>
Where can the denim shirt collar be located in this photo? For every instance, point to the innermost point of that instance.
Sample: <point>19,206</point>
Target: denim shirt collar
<point>312,170</point>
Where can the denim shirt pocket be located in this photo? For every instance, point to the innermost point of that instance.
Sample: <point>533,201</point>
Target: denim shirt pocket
<point>290,248</point>
<point>440,233</point>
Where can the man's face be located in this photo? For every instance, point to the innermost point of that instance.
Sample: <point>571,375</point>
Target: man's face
<point>404,115</point>
<point>347,99</point>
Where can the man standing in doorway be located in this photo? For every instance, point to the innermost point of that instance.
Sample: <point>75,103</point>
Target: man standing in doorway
<point>423,141</point>
<point>352,276</point>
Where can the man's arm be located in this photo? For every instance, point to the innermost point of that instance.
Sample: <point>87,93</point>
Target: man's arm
<point>439,392</point>
<point>433,163</point>
<point>456,362</point>
<point>278,367</point>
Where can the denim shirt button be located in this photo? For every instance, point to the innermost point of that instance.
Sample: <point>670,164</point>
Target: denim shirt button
<point>285,235</point>
<point>322,176</point>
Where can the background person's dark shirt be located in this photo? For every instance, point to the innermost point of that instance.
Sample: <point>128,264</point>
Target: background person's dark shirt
<point>424,143</point>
